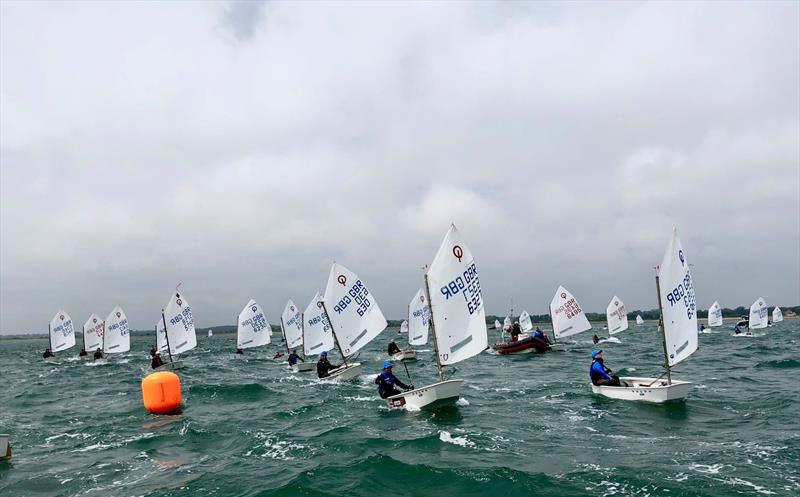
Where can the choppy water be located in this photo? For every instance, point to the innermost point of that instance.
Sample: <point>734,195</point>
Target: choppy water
<point>528,425</point>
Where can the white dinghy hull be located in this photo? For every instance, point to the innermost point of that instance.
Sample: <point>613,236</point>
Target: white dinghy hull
<point>646,390</point>
<point>345,373</point>
<point>437,394</point>
<point>405,355</point>
<point>169,366</point>
<point>302,367</point>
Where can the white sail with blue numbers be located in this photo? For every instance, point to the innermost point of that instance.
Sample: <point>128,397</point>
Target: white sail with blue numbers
<point>317,336</point>
<point>292,322</point>
<point>253,329</point>
<point>161,336</point>
<point>457,308</point>
<point>715,315</point>
<point>679,310</point>
<point>355,316</point>
<point>117,337</point>
<point>419,315</point>
<point>759,317</point>
<point>62,332</point>
<point>777,315</point>
<point>180,325</point>
<point>616,317</point>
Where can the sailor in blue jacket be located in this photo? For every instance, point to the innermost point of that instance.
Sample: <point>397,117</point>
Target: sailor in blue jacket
<point>539,335</point>
<point>599,373</point>
<point>386,381</point>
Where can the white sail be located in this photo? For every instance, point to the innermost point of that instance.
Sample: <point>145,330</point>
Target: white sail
<point>292,322</point>
<point>210,333</point>
<point>117,334</point>
<point>525,322</point>
<point>93,333</point>
<point>161,336</point>
<point>678,307</point>
<point>456,302</point>
<point>507,323</point>
<point>317,336</point>
<point>404,326</point>
<point>62,332</point>
<point>567,315</point>
<point>253,329</point>
<point>420,316</point>
<point>616,316</point>
<point>352,310</point>
<point>758,314</point>
<point>180,324</point>
<point>714,315</point>
<point>639,320</point>
<point>777,315</point>
<point>497,325</point>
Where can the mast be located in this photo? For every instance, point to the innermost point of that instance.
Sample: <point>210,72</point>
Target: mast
<point>433,328</point>
<point>166,335</point>
<point>285,341</point>
<point>338,345</point>
<point>50,338</point>
<point>408,320</point>
<point>103,341</point>
<point>661,328</point>
<point>302,331</point>
<point>84,340</point>
<point>552,323</point>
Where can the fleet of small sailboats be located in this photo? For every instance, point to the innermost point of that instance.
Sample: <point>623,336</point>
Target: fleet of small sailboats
<point>449,306</point>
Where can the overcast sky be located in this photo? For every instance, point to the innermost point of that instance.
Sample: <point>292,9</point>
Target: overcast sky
<point>241,148</point>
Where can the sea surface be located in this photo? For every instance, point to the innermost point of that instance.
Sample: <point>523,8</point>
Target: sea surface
<point>526,425</point>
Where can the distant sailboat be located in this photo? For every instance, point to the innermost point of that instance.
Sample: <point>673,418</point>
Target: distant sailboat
<point>117,335</point>
<point>507,324</point>
<point>458,320</point>
<point>567,316</point>
<point>419,316</point>
<point>317,336</point>
<point>525,323</point>
<point>210,333</point>
<point>292,327</point>
<point>498,325</point>
<point>403,327</point>
<point>61,333</point>
<point>616,317</point>
<point>678,325</point>
<point>252,329</point>
<point>714,315</point>
<point>179,331</point>
<point>777,315</point>
<point>93,333</point>
<point>758,315</point>
<point>354,314</point>
<point>639,320</point>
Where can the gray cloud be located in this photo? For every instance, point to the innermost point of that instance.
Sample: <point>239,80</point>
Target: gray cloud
<point>139,147</point>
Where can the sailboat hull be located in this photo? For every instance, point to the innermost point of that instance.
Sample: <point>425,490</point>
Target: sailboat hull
<point>5,447</point>
<point>437,394</point>
<point>345,373</point>
<point>405,355</point>
<point>302,367</point>
<point>646,390</point>
<point>169,366</point>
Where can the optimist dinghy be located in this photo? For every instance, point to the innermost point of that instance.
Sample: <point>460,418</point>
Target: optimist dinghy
<point>252,327</point>
<point>457,319</point>
<point>714,315</point>
<point>354,316</point>
<point>292,328</point>
<point>61,335</point>
<point>175,331</point>
<point>639,320</point>
<point>678,326</point>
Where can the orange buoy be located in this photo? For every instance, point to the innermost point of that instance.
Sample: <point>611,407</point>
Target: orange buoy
<point>161,392</point>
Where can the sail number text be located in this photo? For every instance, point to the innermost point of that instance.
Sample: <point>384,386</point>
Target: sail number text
<point>684,294</point>
<point>467,284</point>
<point>359,294</point>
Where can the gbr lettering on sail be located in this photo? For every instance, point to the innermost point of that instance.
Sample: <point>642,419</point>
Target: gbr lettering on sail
<point>683,293</point>
<point>466,284</point>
